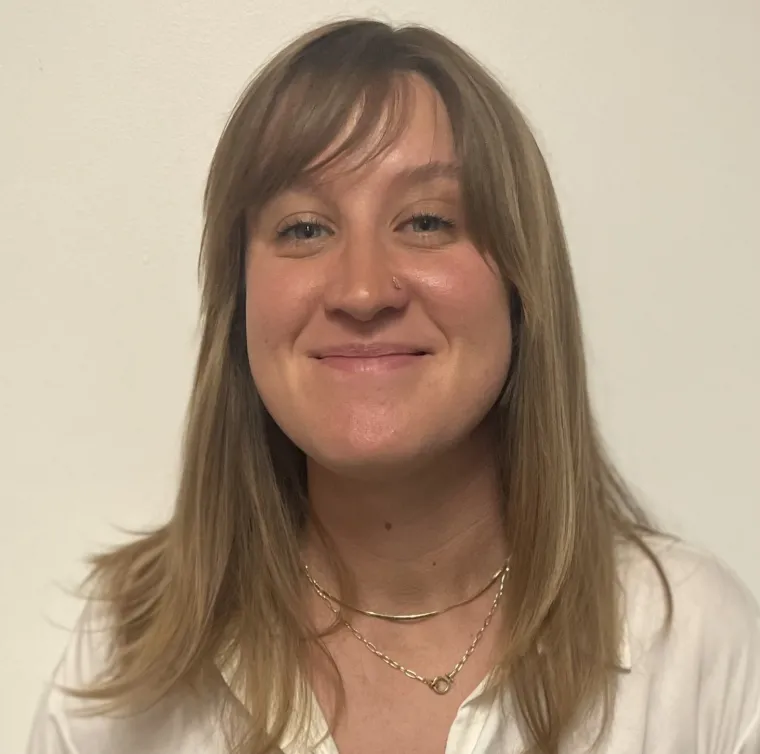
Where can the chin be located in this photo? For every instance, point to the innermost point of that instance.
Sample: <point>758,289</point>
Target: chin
<point>370,461</point>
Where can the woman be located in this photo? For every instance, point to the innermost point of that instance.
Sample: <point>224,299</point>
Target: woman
<point>396,528</point>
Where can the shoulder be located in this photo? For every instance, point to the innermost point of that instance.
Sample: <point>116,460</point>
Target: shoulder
<point>707,596</point>
<point>707,660</point>
<point>60,715</point>
<point>67,724</point>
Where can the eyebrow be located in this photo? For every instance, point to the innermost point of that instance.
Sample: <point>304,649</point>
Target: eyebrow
<point>404,178</point>
<point>425,173</point>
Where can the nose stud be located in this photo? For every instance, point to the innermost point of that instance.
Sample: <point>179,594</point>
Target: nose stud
<point>396,283</point>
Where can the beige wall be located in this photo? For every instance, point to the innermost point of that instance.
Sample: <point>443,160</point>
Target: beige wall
<point>650,114</point>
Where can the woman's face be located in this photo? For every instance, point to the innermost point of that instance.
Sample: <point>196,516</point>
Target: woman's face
<point>377,334</point>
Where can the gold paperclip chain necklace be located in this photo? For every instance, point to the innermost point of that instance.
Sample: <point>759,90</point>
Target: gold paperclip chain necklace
<point>441,683</point>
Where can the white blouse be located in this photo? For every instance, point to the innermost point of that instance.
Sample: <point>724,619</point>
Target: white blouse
<point>695,690</point>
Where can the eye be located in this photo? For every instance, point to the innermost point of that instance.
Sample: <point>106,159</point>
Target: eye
<point>429,229</point>
<point>429,222</point>
<point>303,230</point>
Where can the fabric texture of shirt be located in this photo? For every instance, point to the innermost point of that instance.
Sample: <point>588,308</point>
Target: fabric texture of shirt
<point>693,690</point>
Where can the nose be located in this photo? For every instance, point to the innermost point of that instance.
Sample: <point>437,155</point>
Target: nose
<point>362,282</point>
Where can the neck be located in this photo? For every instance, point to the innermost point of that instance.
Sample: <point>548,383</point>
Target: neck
<point>412,543</point>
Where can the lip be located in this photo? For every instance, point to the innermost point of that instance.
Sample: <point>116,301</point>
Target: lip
<point>369,358</point>
<point>368,351</point>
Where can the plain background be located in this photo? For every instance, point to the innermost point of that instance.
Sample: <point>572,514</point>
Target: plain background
<point>649,113</point>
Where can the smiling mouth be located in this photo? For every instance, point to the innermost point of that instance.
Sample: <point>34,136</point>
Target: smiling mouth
<point>366,358</point>
<point>372,364</point>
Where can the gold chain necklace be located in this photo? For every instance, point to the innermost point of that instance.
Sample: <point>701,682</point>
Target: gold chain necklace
<point>441,683</point>
<point>409,617</point>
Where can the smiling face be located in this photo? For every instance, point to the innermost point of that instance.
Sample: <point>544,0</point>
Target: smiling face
<point>377,333</point>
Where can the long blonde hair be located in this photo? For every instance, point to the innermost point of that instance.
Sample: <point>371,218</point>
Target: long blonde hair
<point>221,583</point>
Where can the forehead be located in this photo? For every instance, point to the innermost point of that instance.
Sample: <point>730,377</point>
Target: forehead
<point>418,146</point>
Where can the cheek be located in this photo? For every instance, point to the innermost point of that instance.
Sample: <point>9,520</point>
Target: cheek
<point>471,305</point>
<point>277,306</point>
